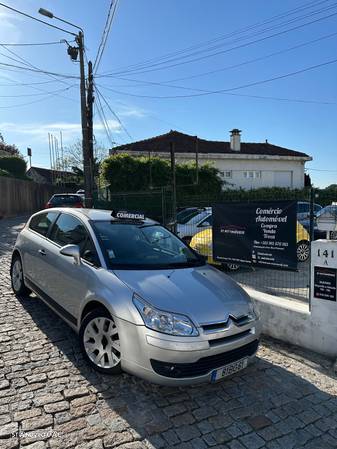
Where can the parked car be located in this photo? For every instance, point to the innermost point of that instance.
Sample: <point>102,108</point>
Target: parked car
<point>65,200</point>
<point>191,222</point>
<point>140,299</point>
<point>202,243</point>
<point>303,210</point>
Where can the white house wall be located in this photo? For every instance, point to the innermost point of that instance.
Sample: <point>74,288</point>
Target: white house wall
<point>275,171</point>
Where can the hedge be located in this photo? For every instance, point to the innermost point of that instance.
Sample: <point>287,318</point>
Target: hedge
<point>14,165</point>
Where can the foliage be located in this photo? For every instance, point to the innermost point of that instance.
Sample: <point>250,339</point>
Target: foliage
<point>73,155</point>
<point>4,173</point>
<point>126,173</point>
<point>14,165</point>
<point>7,148</point>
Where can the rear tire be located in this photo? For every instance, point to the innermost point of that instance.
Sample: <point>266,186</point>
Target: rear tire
<point>233,266</point>
<point>303,251</point>
<point>17,277</point>
<point>100,343</point>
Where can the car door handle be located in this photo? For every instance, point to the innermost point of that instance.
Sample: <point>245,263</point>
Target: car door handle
<point>42,252</point>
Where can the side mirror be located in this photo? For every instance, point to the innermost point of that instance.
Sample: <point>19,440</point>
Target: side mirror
<point>72,251</point>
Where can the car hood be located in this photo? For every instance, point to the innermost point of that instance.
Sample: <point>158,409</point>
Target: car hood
<point>203,293</point>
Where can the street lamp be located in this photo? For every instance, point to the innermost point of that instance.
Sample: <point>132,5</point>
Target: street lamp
<point>87,159</point>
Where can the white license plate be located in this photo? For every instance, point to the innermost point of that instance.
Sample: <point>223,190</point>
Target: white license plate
<point>227,370</point>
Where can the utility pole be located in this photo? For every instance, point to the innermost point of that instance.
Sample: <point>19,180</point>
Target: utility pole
<point>174,186</point>
<point>85,131</point>
<point>90,102</point>
<point>196,160</point>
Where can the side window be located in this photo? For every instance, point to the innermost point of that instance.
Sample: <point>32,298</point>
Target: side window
<point>208,221</point>
<point>41,223</point>
<point>69,230</point>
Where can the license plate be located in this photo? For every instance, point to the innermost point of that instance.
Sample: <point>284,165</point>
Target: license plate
<point>227,370</point>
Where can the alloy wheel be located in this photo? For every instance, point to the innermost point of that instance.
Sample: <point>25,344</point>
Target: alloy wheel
<point>303,252</point>
<point>17,275</point>
<point>101,342</point>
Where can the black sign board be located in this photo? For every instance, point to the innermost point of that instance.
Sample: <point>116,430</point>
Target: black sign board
<point>128,215</point>
<point>325,283</point>
<point>261,233</point>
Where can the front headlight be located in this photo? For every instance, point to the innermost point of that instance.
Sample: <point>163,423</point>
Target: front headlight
<point>165,322</point>
<point>253,313</point>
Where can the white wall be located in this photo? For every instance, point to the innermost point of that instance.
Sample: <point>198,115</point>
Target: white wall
<point>292,321</point>
<point>273,171</point>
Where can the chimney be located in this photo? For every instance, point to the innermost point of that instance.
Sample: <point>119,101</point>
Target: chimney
<point>235,139</point>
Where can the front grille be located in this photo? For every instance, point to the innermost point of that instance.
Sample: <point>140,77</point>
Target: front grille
<point>222,325</point>
<point>229,338</point>
<point>204,365</point>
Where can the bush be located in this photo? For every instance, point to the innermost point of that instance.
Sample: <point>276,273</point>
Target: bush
<point>4,173</point>
<point>125,173</point>
<point>14,165</point>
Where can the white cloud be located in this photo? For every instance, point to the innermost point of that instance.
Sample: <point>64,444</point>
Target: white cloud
<point>10,30</point>
<point>39,131</point>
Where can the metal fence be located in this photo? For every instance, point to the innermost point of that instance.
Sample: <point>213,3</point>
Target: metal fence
<point>194,225</point>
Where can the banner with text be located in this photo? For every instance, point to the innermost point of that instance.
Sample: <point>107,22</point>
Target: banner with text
<point>261,233</point>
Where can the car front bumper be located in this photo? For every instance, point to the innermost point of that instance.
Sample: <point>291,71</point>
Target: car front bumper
<point>171,360</point>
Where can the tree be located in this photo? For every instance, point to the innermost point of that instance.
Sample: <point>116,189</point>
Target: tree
<point>73,155</point>
<point>7,149</point>
<point>125,173</point>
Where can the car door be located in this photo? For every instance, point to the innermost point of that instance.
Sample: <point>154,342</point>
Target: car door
<point>67,283</point>
<point>34,247</point>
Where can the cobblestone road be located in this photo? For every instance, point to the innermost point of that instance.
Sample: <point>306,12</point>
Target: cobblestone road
<point>49,398</point>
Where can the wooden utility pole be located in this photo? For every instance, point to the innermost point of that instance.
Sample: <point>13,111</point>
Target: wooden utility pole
<point>196,160</point>
<point>90,102</point>
<point>174,186</point>
<point>85,130</point>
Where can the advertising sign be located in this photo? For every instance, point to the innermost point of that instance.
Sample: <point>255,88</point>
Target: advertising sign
<point>325,283</point>
<point>261,233</point>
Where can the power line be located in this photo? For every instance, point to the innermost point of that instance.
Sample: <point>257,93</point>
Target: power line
<point>40,71</point>
<point>246,44</point>
<point>32,102</point>
<point>225,91</point>
<point>33,95</point>
<point>104,121</point>
<point>36,19</point>
<point>29,44</point>
<point>114,113</point>
<point>323,170</point>
<point>228,35</point>
<point>105,34</point>
<point>251,61</point>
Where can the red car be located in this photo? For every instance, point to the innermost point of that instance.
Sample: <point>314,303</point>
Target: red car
<point>65,200</point>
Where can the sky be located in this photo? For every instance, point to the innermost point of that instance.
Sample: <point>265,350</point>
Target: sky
<point>177,43</point>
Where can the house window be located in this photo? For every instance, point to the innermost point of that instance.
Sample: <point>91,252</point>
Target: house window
<point>228,174</point>
<point>251,174</point>
<point>225,174</point>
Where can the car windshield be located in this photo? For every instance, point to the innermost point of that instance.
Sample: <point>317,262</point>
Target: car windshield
<point>65,199</point>
<point>327,210</point>
<point>142,246</point>
<point>185,215</point>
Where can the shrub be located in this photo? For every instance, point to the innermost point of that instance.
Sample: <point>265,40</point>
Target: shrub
<point>125,173</point>
<point>14,165</point>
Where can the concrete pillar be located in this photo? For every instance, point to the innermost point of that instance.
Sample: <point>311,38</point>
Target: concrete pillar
<point>324,295</point>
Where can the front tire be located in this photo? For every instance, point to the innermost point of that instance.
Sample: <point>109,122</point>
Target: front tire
<point>100,342</point>
<point>17,278</point>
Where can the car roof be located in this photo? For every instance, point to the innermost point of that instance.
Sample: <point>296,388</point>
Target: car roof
<point>66,194</point>
<point>95,214</point>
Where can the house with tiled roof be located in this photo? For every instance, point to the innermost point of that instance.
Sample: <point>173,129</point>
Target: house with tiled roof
<point>47,176</point>
<point>241,164</point>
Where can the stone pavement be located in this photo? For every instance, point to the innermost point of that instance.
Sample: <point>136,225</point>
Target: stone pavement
<point>49,397</point>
